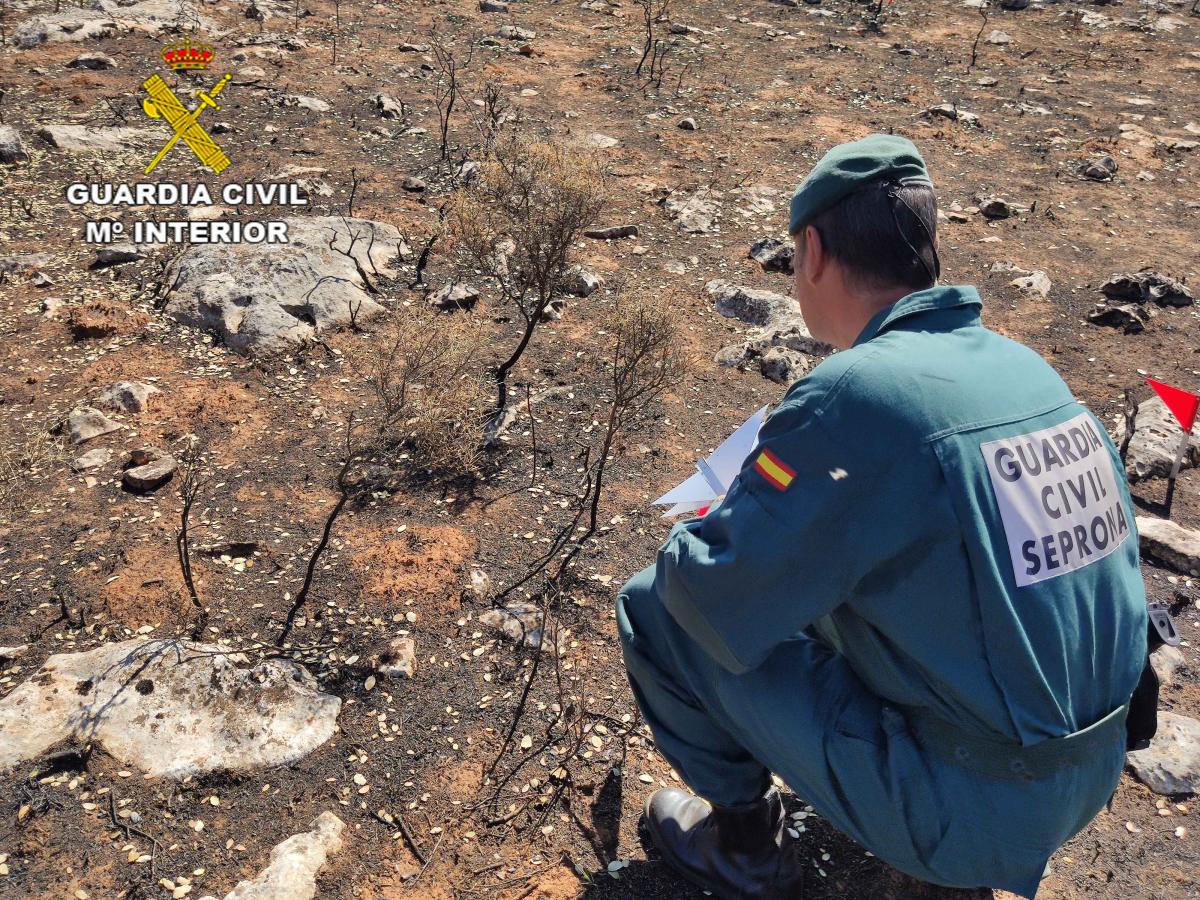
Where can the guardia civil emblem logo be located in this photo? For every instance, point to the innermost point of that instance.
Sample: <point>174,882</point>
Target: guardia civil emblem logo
<point>162,103</point>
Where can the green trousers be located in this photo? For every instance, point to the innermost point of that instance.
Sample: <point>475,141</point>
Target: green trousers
<point>806,716</point>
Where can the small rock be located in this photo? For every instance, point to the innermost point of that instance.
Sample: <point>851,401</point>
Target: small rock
<point>470,171</point>
<point>312,104</point>
<point>954,114</point>
<point>1130,318</point>
<point>1167,660</point>
<point>414,185</point>
<point>12,653</point>
<point>86,423</point>
<point>400,658</point>
<point>612,232</point>
<point>151,475</point>
<point>1100,169</point>
<point>92,139</point>
<point>601,141</point>
<point>126,396</point>
<point>694,213</point>
<point>1014,4</point>
<point>1171,764</point>
<point>493,6</point>
<point>1034,284</point>
<point>145,701</point>
<point>996,208</point>
<point>520,621</point>
<point>294,865</point>
<point>249,75</point>
<point>579,282</point>
<point>388,106</point>
<point>115,255</point>
<point>773,255</point>
<point>513,33</point>
<point>11,148</point>
<point>1141,287</point>
<point>454,296</point>
<point>93,459</point>
<point>1170,543</point>
<point>750,305</point>
<point>94,61</point>
<point>998,37</point>
<point>783,366</point>
<point>688,124</point>
<point>51,307</point>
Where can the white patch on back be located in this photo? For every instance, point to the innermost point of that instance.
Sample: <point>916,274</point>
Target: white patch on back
<point>1057,493</point>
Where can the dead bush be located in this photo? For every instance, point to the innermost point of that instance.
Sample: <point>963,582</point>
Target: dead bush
<point>640,360</point>
<point>516,224</point>
<point>430,391</point>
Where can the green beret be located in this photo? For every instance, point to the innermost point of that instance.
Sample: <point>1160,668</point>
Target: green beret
<point>847,167</point>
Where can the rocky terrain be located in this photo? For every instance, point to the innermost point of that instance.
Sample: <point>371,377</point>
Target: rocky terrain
<point>195,702</point>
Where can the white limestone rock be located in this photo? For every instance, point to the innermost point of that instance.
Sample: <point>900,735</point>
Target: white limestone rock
<point>1156,437</point>
<point>1171,764</point>
<point>1170,543</point>
<point>169,707</point>
<point>292,871</point>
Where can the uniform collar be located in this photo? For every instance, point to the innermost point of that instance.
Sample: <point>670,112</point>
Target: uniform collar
<point>945,297</point>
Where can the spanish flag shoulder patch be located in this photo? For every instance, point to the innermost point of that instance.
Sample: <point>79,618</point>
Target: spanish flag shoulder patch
<point>778,473</point>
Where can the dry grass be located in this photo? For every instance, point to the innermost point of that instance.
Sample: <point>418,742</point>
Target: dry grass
<point>27,457</point>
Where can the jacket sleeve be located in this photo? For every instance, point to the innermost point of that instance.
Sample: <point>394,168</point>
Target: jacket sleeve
<point>769,560</point>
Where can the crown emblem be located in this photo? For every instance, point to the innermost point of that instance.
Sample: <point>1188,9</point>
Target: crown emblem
<point>185,56</point>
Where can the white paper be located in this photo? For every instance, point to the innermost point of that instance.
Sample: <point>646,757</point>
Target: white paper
<point>716,472</point>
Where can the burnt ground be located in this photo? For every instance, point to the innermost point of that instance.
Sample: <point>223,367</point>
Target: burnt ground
<point>771,88</point>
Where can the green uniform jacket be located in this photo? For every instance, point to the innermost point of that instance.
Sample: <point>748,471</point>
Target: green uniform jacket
<point>934,504</point>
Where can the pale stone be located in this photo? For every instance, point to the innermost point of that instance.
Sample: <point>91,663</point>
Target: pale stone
<point>169,707</point>
<point>1166,661</point>
<point>400,658</point>
<point>1171,544</point>
<point>1171,764</point>
<point>127,396</point>
<point>90,139</point>
<point>86,423</point>
<point>1156,438</point>
<point>749,305</point>
<point>292,871</point>
<point>262,299</point>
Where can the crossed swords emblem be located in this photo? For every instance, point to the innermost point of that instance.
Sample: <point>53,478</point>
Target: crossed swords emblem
<point>162,103</point>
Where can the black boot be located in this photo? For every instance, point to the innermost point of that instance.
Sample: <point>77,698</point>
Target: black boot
<point>737,852</point>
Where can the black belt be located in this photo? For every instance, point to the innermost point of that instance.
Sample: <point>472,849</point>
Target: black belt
<point>999,758</point>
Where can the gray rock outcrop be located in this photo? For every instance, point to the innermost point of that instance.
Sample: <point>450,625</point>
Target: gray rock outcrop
<point>262,299</point>
<point>1156,437</point>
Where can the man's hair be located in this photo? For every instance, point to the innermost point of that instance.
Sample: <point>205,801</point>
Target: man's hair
<point>879,239</point>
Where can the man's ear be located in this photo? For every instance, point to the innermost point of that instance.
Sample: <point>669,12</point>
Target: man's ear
<point>815,258</point>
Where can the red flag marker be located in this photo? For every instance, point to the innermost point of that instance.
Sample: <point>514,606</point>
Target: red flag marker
<point>1181,403</point>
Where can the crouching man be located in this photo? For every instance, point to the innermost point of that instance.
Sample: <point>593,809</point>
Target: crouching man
<point>920,602</point>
